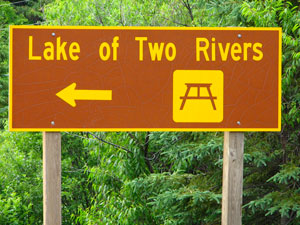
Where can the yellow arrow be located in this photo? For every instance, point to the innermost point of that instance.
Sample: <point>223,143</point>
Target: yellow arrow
<point>69,94</point>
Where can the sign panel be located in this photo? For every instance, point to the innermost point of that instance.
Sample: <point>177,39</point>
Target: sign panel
<point>144,78</point>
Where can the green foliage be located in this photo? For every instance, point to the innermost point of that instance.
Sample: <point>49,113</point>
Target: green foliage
<point>290,173</point>
<point>143,13</point>
<point>21,179</point>
<point>178,190</point>
<point>8,16</point>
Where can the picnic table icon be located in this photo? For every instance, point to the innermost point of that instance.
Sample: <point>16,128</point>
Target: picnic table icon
<point>198,96</point>
<point>198,86</point>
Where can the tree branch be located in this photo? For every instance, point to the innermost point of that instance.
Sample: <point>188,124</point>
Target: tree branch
<point>181,24</point>
<point>135,139</point>
<point>102,140</point>
<point>146,147</point>
<point>112,144</point>
<point>188,6</point>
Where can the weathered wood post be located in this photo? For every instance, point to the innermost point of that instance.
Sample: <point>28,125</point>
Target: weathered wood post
<point>232,192</point>
<point>52,178</point>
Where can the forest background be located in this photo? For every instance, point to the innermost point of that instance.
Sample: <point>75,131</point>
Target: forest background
<point>155,177</point>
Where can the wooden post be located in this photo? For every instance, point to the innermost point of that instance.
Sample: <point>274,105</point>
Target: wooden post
<point>232,178</point>
<point>52,178</point>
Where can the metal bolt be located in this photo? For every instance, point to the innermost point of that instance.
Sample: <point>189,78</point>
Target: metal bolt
<point>52,123</point>
<point>53,34</point>
<point>239,35</point>
<point>238,123</point>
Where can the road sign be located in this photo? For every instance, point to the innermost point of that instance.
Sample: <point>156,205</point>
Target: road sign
<point>144,78</point>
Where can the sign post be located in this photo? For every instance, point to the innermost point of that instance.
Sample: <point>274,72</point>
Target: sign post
<point>52,178</point>
<point>232,192</point>
<point>145,79</point>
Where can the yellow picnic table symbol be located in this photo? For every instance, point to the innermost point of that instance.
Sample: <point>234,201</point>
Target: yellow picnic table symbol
<point>198,96</point>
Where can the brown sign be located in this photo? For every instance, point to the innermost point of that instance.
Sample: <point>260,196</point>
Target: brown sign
<point>144,78</point>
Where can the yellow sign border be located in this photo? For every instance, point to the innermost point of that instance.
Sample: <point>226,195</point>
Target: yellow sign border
<point>11,27</point>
